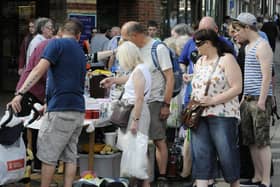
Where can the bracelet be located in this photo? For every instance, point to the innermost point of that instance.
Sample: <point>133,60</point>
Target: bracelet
<point>114,52</point>
<point>135,119</point>
<point>164,104</point>
<point>19,93</point>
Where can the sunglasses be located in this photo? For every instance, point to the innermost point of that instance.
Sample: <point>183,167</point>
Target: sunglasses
<point>200,43</point>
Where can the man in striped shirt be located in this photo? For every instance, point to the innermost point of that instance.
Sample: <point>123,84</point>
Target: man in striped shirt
<point>256,103</point>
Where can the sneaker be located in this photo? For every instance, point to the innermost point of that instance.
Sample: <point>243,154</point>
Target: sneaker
<point>263,185</point>
<point>250,183</point>
<point>162,182</point>
<point>209,185</point>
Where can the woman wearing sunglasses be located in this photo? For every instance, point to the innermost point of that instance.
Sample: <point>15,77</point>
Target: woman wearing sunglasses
<point>217,134</point>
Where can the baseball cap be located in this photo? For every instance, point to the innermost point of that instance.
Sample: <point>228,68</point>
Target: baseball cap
<point>247,18</point>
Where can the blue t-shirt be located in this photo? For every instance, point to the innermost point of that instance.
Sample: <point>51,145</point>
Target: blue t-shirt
<point>66,75</point>
<point>185,58</point>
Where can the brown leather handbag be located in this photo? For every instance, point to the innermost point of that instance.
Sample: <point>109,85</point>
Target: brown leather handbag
<point>192,113</point>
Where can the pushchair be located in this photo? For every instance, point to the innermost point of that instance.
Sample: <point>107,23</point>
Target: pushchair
<point>13,158</point>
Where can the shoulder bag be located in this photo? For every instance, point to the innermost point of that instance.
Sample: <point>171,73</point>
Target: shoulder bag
<point>192,113</point>
<point>121,112</point>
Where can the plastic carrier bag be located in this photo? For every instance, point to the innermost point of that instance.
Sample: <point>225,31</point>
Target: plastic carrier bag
<point>12,162</point>
<point>134,161</point>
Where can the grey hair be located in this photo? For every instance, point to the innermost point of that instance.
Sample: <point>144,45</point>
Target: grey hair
<point>40,23</point>
<point>183,29</point>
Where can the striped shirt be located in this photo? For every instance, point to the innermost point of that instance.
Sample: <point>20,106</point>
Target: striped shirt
<point>252,72</point>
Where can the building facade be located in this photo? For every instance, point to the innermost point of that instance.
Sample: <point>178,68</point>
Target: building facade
<point>15,14</point>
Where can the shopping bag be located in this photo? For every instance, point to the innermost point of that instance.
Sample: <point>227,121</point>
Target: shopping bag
<point>11,128</point>
<point>134,161</point>
<point>12,162</point>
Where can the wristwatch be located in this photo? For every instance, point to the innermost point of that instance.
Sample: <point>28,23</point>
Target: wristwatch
<point>165,104</point>
<point>19,93</point>
<point>135,119</point>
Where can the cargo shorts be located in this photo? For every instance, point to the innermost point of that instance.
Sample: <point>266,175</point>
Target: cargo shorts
<point>255,123</point>
<point>157,126</point>
<point>58,137</point>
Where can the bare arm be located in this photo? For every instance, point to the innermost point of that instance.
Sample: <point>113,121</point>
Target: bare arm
<point>31,80</point>
<point>234,78</point>
<point>139,87</point>
<point>264,55</point>
<point>104,54</point>
<point>108,82</point>
<point>35,75</point>
<point>168,85</point>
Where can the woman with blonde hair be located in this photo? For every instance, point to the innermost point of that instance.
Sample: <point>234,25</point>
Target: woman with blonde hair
<point>136,90</point>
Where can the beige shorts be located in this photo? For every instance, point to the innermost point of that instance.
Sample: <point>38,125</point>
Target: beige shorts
<point>58,137</point>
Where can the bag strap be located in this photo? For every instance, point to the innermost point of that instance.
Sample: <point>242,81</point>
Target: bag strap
<point>210,76</point>
<point>155,57</point>
<point>123,93</point>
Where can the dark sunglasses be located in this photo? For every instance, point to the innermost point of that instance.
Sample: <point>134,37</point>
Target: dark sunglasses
<point>200,43</point>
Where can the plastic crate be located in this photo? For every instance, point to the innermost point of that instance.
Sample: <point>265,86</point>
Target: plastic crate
<point>104,165</point>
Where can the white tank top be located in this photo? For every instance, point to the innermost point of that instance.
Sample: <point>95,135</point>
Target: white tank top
<point>129,92</point>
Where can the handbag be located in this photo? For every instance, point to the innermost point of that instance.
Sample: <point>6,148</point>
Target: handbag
<point>9,135</point>
<point>121,112</point>
<point>193,111</point>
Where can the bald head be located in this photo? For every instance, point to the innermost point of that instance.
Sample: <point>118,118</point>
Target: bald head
<point>132,27</point>
<point>115,31</point>
<point>208,23</point>
<point>134,32</point>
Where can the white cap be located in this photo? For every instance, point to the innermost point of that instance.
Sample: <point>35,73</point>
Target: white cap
<point>247,18</point>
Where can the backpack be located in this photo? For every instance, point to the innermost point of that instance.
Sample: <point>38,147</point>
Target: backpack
<point>178,80</point>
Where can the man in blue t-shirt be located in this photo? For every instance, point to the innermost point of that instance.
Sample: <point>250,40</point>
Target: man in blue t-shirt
<point>65,62</point>
<point>190,54</point>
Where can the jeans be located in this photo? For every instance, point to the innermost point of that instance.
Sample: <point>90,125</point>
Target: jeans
<point>216,138</point>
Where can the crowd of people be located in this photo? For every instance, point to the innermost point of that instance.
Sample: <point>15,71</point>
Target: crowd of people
<point>237,66</point>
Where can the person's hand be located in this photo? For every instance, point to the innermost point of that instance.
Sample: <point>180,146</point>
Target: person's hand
<point>187,77</point>
<point>107,82</point>
<point>15,104</point>
<point>20,71</point>
<point>164,112</point>
<point>134,126</point>
<point>261,105</point>
<point>43,110</point>
<point>207,101</point>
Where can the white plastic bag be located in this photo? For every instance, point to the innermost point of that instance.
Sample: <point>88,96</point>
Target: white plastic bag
<point>12,162</point>
<point>121,138</point>
<point>134,162</point>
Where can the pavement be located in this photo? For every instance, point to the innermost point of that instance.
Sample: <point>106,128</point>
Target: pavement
<point>275,133</point>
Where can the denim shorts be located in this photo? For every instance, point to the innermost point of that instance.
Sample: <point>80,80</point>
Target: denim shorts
<point>215,138</point>
<point>58,137</point>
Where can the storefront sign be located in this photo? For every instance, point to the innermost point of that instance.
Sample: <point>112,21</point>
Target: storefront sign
<point>231,4</point>
<point>89,22</point>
